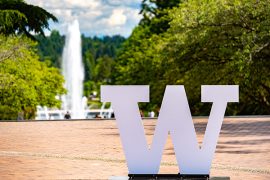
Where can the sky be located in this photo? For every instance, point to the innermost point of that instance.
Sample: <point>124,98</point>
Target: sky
<point>96,17</point>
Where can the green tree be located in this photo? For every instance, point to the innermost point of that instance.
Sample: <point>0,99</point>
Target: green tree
<point>138,62</point>
<point>103,69</point>
<point>18,17</point>
<point>94,51</point>
<point>89,66</point>
<point>98,58</point>
<point>155,14</point>
<point>222,42</point>
<point>25,82</point>
<point>208,42</point>
<point>50,48</point>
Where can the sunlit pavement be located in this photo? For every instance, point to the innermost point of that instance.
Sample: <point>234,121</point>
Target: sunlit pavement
<point>92,149</point>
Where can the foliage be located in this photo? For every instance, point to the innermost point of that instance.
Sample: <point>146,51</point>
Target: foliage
<point>25,82</point>
<point>102,71</point>
<point>208,42</point>
<point>18,17</point>
<point>8,113</point>
<point>50,48</point>
<point>98,56</point>
<point>155,14</point>
<point>95,50</point>
<point>138,62</point>
<point>223,42</point>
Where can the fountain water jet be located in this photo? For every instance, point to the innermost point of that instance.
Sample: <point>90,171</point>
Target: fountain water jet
<point>73,72</point>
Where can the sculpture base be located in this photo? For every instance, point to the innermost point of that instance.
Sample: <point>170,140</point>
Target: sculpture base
<point>167,177</point>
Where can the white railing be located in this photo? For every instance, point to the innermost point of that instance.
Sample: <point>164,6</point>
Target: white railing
<point>45,114</point>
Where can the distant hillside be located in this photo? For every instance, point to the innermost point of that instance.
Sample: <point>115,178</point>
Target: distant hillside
<point>98,55</point>
<point>50,48</point>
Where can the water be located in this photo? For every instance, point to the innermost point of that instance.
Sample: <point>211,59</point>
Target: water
<point>73,72</point>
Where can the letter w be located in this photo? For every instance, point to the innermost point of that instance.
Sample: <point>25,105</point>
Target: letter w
<point>174,118</point>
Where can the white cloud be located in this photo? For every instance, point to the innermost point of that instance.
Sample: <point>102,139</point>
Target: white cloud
<point>96,17</point>
<point>117,18</point>
<point>92,4</point>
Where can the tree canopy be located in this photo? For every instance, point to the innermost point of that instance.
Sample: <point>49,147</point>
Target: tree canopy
<point>223,42</point>
<point>98,56</point>
<point>18,17</point>
<point>50,48</point>
<point>155,14</point>
<point>208,42</point>
<point>25,81</point>
<point>138,61</point>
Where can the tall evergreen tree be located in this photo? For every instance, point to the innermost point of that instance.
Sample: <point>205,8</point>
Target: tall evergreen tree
<point>155,14</point>
<point>18,17</point>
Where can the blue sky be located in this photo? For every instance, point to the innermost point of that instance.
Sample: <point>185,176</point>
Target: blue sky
<point>96,17</point>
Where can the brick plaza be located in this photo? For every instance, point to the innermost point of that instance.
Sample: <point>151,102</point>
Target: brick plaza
<point>92,149</point>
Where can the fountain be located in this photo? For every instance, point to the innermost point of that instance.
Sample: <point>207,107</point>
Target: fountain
<point>73,72</point>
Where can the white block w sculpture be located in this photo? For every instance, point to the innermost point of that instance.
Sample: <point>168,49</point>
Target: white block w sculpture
<point>174,118</point>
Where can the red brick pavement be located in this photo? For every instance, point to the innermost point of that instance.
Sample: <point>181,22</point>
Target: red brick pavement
<point>92,149</point>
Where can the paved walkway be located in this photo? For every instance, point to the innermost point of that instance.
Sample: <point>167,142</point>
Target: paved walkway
<point>92,149</point>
